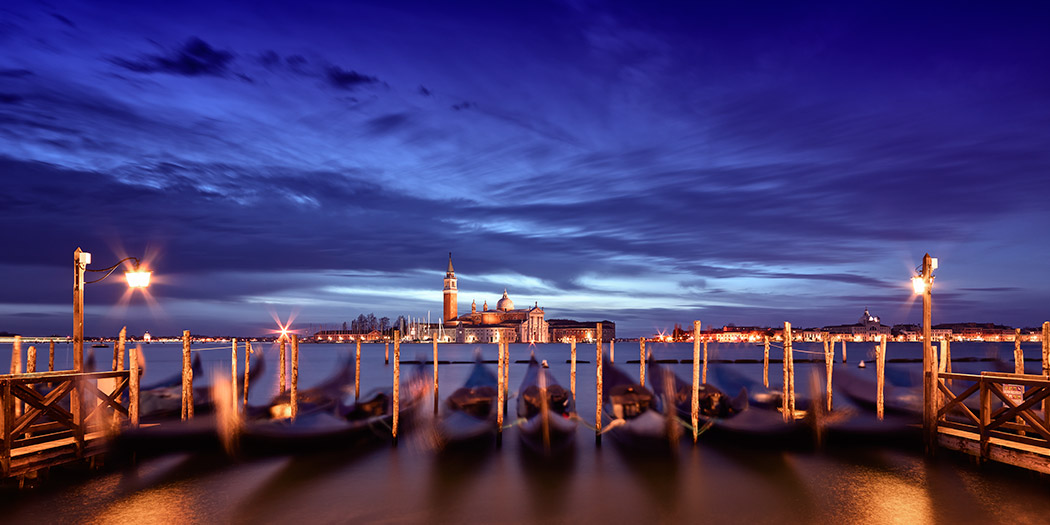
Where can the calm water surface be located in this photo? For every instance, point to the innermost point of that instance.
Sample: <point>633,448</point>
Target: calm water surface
<point>412,483</point>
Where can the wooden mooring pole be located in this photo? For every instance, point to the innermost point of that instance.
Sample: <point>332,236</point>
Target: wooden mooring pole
<point>598,388</point>
<point>612,351</point>
<point>641,361</point>
<point>31,359</point>
<point>357,371</point>
<point>16,355</point>
<point>829,364</point>
<point>247,367</point>
<point>133,387</point>
<point>695,419</point>
<point>500,395</point>
<point>1018,354</point>
<point>386,351</point>
<point>118,350</point>
<point>843,349</point>
<point>788,402</point>
<point>233,376</point>
<point>435,376</point>
<point>295,376</point>
<point>187,377</point>
<point>880,378</point>
<point>703,380</point>
<point>765,361</point>
<point>397,385</point>
<point>929,361</point>
<point>282,365</point>
<point>51,356</point>
<point>572,368</point>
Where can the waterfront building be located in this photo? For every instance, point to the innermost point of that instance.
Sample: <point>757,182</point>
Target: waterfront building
<point>868,328</point>
<point>504,323</point>
<point>566,330</point>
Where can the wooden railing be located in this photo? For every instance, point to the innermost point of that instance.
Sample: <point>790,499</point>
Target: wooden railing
<point>1011,408</point>
<point>61,407</point>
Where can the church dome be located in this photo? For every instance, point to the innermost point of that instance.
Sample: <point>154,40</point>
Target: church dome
<point>505,303</point>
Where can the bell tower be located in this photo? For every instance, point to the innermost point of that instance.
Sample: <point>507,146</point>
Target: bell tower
<point>450,312</point>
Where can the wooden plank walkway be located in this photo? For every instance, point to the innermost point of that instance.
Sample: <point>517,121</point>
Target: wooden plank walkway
<point>1001,450</point>
<point>50,453</point>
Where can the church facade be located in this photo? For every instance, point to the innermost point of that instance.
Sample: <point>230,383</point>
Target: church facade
<point>503,323</point>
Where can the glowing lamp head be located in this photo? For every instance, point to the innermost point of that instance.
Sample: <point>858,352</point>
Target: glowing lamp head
<point>138,278</point>
<point>918,284</point>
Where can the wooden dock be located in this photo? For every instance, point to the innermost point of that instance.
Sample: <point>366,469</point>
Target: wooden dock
<point>53,418</point>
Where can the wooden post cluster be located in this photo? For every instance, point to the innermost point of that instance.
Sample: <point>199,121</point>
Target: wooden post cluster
<point>397,384</point>
<point>51,356</point>
<point>641,361</point>
<point>133,387</point>
<point>500,394</point>
<point>598,388</point>
<point>357,371</point>
<point>295,376</point>
<point>880,378</point>
<point>829,365</point>
<point>765,361</point>
<point>247,366</point>
<point>187,377</point>
<point>572,368</point>
<point>695,418</point>
<point>282,365</point>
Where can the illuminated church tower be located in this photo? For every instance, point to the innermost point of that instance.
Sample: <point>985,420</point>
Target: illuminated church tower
<point>451,311</point>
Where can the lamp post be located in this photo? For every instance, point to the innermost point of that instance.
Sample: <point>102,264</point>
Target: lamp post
<point>136,278</point>
<point>923,284</point>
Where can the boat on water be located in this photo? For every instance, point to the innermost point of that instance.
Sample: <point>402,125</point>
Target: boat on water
<point>469,413</point>
<point>162,400</point>
<point>548,411</point>
<point>634,417</point>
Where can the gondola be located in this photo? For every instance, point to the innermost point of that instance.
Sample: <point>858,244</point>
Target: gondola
<point>163,399</point>
<point>324,422</point>
<point>634,419</point>
<point>732,420</point>
<point>550,429</point>
<point>469,414</point>
<point>759,395</point>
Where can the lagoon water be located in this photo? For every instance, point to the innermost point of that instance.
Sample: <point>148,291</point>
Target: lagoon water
<point>715,483</point>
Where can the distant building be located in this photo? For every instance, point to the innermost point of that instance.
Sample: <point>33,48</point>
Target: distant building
<point>566,330</point>
<point>504,323</point>
<point>865,329</point>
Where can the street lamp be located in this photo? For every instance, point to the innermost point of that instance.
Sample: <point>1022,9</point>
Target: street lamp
<point>923,284</point>
<point>136,278</point>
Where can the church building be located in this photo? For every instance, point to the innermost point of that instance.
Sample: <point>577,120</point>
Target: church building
<point>504,323</point>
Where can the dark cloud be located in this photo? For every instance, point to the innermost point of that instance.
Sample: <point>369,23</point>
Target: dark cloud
<point>347,79</point>
<point>64,20</point>
<point>15,73</point>
<point>195,58</point>
<point>424,91</point>
<point>10,98</point>
<point>387,124</point>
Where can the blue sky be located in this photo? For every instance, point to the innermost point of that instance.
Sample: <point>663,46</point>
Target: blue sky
<point>647,164</point>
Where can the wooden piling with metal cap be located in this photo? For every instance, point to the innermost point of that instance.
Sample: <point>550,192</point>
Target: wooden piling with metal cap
<point>247,366</point>
<point>133,386</point>
<point>641,361</point>
<point>435,376</point>
<point>357,371</point>
<point>187,377</point>
<point>51,356</point>
<point>294,397</point>
<point>880,378</point>
<point>598,389</point>
<point>397,385</point>
<point>829,365</point>
<point>282,365</point>
<point>765,362</point>
<point>696,381</point>
<point>572,368</point>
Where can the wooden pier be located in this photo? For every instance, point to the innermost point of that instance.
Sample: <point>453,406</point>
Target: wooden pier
<point>52,418</point>
<point>1007,418</point>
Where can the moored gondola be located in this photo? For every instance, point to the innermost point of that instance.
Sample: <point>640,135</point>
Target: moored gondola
<point>547,411</point>
<point>469,414</point>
